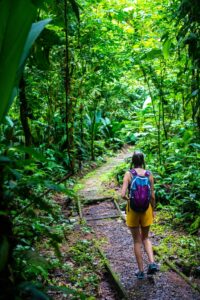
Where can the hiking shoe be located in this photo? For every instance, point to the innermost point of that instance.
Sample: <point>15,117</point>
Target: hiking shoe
<point>152,269</point>
<point>139,275</point>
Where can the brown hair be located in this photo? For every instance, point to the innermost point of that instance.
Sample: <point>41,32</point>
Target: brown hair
<point>138,160</point>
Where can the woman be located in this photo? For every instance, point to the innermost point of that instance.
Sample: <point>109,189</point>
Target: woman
<point>139,222</point>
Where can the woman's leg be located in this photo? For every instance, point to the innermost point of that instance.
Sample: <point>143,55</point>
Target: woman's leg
<point>147,243</point>
<point>137,246</point>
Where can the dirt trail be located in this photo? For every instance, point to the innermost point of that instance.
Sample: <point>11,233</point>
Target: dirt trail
<point>94,188</point>
<point>118,246</point>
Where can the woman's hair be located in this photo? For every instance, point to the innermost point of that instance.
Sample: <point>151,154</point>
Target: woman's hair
<point>138,160</point>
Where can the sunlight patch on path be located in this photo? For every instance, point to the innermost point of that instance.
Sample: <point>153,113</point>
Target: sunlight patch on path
<point>92,185</point>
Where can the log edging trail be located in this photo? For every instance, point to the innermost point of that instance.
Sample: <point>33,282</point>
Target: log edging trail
<point>114,276</point>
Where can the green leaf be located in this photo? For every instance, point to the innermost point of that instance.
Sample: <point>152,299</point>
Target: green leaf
<point>195,93</point>
<point>15,22</point>
<point>75,8</point>
<point>166,48</point>
<point>98,116</point>
<point>154,53</point>
<point>195,225</point>
<point>33,291</point>
<point>35,31</point>
<point>10,122</point>
<point>54,187</point>
<point>195,145</point>
<point>30,151</point>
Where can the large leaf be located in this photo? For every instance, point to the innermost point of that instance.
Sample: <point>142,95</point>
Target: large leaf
<point>154,53</point>
<point>75,8</point>
<point>166,48</point>
<point>35,31</point>
<point>16,18</point>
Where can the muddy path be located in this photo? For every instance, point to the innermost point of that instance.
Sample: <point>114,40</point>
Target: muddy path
<point>116,243</point>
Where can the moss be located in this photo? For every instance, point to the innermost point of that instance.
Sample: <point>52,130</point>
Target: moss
<point>179,247</point>
<point>157,229</point>
<point>106,177</point>
<point>110,193</point>
<point>78,186</point>
<point>164,268</point>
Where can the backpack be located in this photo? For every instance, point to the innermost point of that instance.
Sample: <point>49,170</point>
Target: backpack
<point>139,191</point>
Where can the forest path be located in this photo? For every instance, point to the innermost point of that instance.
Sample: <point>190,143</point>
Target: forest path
<point>117,244</point>
<point>93,182</point>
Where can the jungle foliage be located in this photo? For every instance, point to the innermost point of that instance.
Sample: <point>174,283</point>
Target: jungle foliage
<point>84,78</point>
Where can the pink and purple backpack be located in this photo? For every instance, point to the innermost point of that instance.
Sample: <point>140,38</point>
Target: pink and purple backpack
<point>139,191</point>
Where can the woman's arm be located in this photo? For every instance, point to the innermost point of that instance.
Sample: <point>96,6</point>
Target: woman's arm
<point>153,200</point>
<point>126,182</point>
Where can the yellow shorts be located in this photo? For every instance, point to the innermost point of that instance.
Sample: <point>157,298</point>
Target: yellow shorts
<point>134,219</point>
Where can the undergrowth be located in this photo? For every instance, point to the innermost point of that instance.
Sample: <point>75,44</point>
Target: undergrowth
<point>176,245</point>
<point>76,273</point>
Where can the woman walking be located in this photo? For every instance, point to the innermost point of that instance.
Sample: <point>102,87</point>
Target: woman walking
<point>139,184</point>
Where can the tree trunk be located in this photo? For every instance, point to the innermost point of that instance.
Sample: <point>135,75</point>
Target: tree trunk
<point>69,118</point>
<point>163,102</point>
<point>23,112</point>
<point>157,120</point>
<point>197,109</point>
<point>93,135</point>
<point>7,242</point>
<point>80,149</point>
<point>71,150</point>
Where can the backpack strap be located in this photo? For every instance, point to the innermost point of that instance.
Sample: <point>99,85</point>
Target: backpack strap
<point>133,172</point>
<point>147,173</point>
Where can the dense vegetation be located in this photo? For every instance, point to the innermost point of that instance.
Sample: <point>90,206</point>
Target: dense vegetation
<point>85,79</point>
